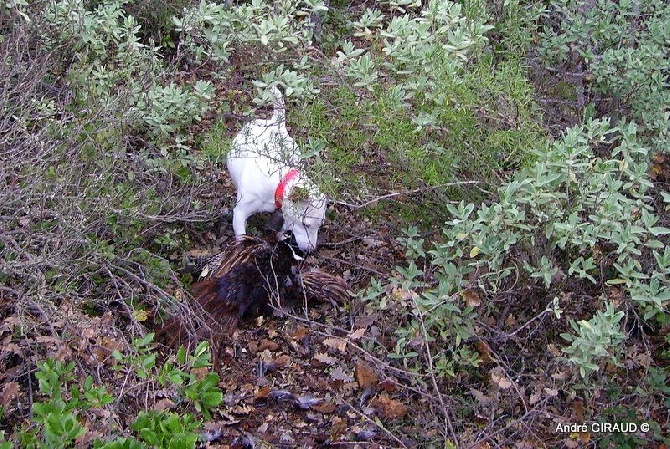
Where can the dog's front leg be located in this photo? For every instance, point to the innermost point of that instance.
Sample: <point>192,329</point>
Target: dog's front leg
<point>240,215</point>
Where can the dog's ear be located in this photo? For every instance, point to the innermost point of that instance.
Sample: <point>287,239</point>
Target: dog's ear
<point>298,194</point>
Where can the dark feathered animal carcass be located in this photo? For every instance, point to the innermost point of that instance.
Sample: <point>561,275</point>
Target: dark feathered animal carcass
<point>251,273</point>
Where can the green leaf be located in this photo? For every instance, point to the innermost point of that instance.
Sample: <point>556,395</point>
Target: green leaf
<point>659,230</point>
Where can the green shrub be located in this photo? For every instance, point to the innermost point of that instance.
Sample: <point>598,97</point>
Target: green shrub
<point>572,215</point>
<point>623,46</point>
<point>114,68</point>
<point>212,30</point>
<point>597,339</point>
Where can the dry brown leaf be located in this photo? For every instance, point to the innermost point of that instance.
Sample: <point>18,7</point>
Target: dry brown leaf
<point>282,361</point>
<point>325,358</point>
<point>499,378</point>
<point>163,404</point>
<point>355,335</point>
<point>12,348</point>
<point>471,298</point>
<point>112,344</point>
<point>365,375</point>
<point>570,443</point>
<point>481,397</point>
<point>484,350</point>
<point>388,385</point>
<point>336,343</point>
<point>388,408</point>
<point>578,411</point>
<point>9,392</point>
<point>339,374</point>
<point>554,350</point>
<point>267,344</point>
<point>551,392</point>
<point>338,427</point>
<point>366,321</point>
<point>263,392</point>
<point>535,397</point>
<point>324,407</point>
<point>242,409</point>
<point>47,339</point>
<point>584,438</point>
<point>200,373</point>
<point>86,439</point>
<point>300,333</point>
<point>87,332</point>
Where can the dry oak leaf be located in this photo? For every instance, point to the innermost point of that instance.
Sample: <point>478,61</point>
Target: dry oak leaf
<point>163,404</point>
<point>336,343</point>
<point>262,392</point>
<point>339,374</point>
<point>9,392</point>
<point>325,407</point>
<point>389,385</point>
<point>471,298</point>
<point>322,357</point>
<point>484,351</point>
<point>365,375</point>
<point>388,408</point>
<point>358,333</point>
<point>300,333</point>
<point>267,344</point>
<point>499,378</point>
<point>481,397</point>
<point>338,426</point>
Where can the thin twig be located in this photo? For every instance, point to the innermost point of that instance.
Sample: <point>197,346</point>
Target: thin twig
<point>448,426</point>
<point>407,192</point>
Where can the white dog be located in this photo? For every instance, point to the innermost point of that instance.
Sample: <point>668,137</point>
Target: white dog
<point>263,164</point>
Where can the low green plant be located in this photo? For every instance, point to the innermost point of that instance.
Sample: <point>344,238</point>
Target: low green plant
<point>111,58</point>
<point>168,430</point>
<point>203,393</point>
<point>165,108</point>
<point>57,418</point>
<point>213,30</point>
<point>155,20</point>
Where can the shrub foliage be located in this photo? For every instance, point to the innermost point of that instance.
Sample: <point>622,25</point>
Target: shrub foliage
<point>104,108</point>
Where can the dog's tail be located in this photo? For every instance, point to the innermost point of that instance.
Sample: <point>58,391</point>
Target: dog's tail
<point>279,111</point>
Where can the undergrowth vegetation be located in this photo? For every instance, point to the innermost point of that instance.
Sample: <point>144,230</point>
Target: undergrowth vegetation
<point>535,279</point>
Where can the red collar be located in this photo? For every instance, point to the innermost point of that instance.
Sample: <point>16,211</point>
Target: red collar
<point>279,191</point>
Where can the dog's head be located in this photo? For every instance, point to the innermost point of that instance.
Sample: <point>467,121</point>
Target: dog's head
<point>304,209</point>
